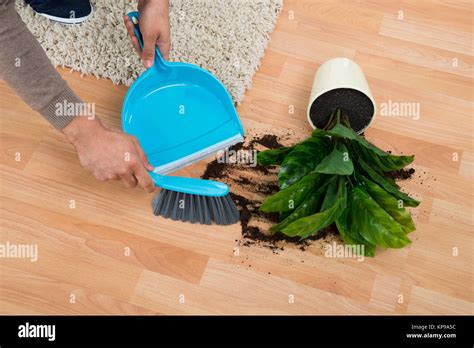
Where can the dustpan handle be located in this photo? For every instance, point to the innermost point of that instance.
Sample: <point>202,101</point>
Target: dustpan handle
<point>159,61</point>
<point>190,185</point>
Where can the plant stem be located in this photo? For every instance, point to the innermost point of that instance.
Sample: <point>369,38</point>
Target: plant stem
<point>338,115</point>
<point>345,119</point>
<point>333,120</point>
<point>350,181</point>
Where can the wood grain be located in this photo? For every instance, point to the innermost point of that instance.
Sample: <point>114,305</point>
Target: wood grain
<point>115,257</point>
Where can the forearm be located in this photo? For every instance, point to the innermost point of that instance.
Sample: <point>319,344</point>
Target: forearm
<point>26,68</point>
<point>141,4</point>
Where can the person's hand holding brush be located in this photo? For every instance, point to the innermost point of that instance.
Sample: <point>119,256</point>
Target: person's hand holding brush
<point>109,154</point>
<point>155,30</point>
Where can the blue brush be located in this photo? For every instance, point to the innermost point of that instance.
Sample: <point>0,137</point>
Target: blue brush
<point>194,200</point>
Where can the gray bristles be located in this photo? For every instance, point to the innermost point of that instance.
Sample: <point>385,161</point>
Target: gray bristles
<point>195,209</point>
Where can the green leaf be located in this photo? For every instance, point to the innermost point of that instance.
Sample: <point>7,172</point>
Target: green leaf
<point>385,161</point>
<point>285,214</point>
<point>331,194</point>
<point>308,207</point>
<point>273,157</point>
<point>309,225</point>
<point>349,235</point>
<point>319,191</point>
<point>374,223</point>
<point>387,185</point>
<point>289,198</point>
<point>356,149</point>
<point>302,160</point>
<point>337,162</point>
<point>319,133</point>
<point>390,204</point>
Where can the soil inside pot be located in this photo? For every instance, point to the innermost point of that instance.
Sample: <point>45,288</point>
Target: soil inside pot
<point>358,106</point>
<point>250,184</point>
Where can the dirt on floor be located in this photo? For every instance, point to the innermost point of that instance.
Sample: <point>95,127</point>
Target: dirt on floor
<point>250,184</point>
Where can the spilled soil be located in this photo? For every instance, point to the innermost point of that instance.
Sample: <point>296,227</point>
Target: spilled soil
<point>402,174</point>
<point>250,184</point>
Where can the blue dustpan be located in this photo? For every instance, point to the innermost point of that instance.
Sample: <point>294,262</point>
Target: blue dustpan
<point>180,113</point>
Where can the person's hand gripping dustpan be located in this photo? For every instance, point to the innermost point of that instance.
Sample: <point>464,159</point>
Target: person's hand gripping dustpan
<point>180,114</point>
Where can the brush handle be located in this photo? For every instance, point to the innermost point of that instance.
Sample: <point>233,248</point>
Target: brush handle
<point>190,185</point>
<point>159,61</point>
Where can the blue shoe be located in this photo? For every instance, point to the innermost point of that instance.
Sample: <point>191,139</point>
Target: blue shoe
<point>62,11</point>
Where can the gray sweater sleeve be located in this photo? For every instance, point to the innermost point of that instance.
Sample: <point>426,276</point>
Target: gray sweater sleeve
<point>26,68</point>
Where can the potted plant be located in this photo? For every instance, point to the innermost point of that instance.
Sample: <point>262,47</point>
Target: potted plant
<point>336,176</point>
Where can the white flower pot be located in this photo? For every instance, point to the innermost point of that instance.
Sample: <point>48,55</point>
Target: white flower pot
<point>340,82</point>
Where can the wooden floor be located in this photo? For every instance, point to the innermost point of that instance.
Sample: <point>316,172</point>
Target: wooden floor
<point>423,54</point>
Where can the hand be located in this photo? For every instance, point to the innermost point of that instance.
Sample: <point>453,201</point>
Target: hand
<point>109,154</point>
<point>155,30</point>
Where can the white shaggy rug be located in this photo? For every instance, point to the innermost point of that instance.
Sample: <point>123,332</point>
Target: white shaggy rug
<point>226,37</point>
